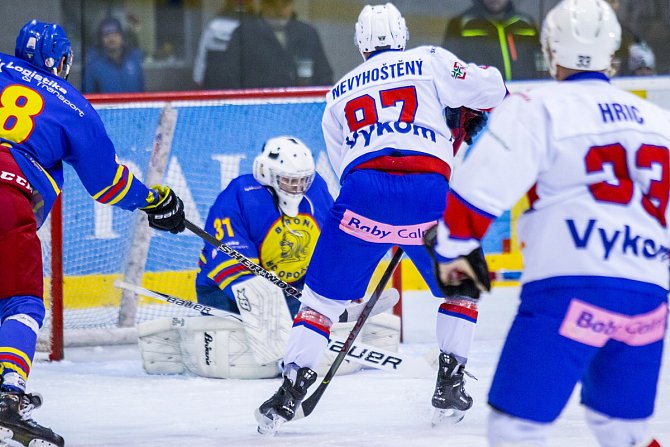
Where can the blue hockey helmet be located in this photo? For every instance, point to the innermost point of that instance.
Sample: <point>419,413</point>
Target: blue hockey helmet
<point>44,45</point>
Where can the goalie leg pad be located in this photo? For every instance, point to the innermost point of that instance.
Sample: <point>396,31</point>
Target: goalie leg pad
<point>382,331</point>
<point>219,348</point>
<point>342,331</point>
<point>159,347</point>
<point>266,317</point>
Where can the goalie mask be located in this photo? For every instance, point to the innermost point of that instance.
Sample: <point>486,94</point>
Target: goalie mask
<point>286,165</point>
<point>580,35</point>
<point>44,45</point>
<point>380,27</point>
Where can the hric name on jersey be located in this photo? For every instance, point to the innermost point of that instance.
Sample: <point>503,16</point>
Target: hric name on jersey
<point>614,112</point>
<point>611,238</point>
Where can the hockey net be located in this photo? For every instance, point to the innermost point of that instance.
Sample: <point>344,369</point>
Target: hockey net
<point>195,142</point>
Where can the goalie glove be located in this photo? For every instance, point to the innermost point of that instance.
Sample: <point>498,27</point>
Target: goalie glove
<point>168,213</point>
<point>465,124</point>
<point>465,276</point>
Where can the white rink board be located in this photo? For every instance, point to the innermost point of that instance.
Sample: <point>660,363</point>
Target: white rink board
<point>656,89</point>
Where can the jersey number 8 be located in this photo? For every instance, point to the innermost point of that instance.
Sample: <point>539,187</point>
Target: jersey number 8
<point>18,106</point>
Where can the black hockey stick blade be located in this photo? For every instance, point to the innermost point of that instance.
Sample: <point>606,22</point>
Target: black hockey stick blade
<point>308,405</point>
<point>248,263</point>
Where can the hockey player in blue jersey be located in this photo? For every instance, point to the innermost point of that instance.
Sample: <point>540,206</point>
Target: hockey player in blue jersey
<point>273,217</point>
<point>44,122</point>
<point>389,144</point>
<point>595,165</point>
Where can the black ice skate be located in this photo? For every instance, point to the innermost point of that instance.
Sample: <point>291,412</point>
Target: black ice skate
<point>450,399</point>
<point>16,424</point>
<point>283,405</point>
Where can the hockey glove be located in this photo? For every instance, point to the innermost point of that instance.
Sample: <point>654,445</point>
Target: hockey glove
<point>467,276</point>
<point>168,213</point>
<point>464,123</point>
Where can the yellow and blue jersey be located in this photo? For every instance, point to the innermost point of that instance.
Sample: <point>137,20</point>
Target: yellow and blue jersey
<point>45,121</point>
<point>245,217</point>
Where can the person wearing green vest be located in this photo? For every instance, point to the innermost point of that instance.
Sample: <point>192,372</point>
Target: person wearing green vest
<point>494,33</point>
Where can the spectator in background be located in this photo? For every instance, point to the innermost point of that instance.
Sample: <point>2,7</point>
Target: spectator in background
<point>493,32</point>
<point>113,67</point>
<point>621,61</point>
<point>218,33</point>
<point>641,60</point>
<point>274,49</point>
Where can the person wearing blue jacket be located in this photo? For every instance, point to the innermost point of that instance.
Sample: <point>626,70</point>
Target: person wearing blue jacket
<point>113,67</point>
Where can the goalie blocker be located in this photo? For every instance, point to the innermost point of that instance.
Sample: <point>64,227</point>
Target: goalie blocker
<point>219,348</point>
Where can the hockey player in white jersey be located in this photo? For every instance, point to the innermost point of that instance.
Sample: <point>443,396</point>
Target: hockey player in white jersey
<point>594,161</point>
<point>388,142</point>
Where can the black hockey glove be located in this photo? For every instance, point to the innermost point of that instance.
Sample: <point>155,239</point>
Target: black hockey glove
<point>464,123</point>
<point>168,213</point>
<point>475,262</point>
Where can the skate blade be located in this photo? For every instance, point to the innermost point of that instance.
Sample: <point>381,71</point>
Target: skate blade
<point>268,426</point>
<point>444,417</point>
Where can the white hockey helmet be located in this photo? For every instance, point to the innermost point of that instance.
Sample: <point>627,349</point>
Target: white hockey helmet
<point>380,27</point>
<point>580,35</point>
<point>286,165</point>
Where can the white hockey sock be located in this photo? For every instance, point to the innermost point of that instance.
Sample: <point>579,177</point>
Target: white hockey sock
<point>613,432</point>
<point>456,320</point>
<point>308,339</point>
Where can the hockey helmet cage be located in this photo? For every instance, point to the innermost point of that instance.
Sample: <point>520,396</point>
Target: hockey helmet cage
<point>44,45</point>
<point>286,165</point>
<point>580,35</point>
<point>380,27</point>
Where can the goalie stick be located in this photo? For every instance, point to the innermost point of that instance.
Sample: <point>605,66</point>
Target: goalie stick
<point>248,263</point>
<point>369,356</point>
<point>308,405</point>
<point>186,304</point>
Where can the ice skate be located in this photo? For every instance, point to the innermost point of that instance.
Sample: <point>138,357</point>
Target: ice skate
<point>282,406</point>
<point>16,424</point>
<point>450,399</point>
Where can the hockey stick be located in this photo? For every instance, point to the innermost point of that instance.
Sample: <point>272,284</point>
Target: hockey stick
<point>186,304</point>
<point>248,263</point>
<point>309,404</point>
<point>366,355</point>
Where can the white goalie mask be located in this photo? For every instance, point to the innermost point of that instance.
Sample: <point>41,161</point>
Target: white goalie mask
<point>286,165</point>
<point>580,35</point>
<point>380,27</point>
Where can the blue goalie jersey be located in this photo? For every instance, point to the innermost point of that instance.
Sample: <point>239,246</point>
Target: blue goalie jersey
<point>246,218</point>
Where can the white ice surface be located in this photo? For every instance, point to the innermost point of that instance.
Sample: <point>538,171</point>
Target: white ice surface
<point>102,397</point>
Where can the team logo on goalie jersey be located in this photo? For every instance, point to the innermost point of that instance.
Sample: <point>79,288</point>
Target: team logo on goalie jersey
<point>288,246</point>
